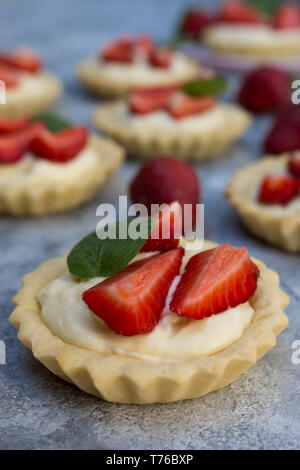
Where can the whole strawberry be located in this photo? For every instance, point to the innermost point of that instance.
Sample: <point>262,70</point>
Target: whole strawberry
<point>265,90</point>
<point>166,180</point>
<point>284,135</point>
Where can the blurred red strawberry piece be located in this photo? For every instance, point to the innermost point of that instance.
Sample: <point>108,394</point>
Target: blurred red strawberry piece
<point>23,59</point>
<point>8,125</point>
<point>294,164</point>
<point>264,90</point>
<point>182,105</point>
<point>215,280</point>
<point>121,50</point>
<point>287,16</point>
<point>236,11</point>
<point>9,76</point>
<point>278,189</point>
<point>61,146</point>
<point>131,302</point>
<point>284,135</point>
<point>165,180</point>
<point>15,144</point>
<point>195,21</point>
<point>143,101</point>
<point>161,58</point>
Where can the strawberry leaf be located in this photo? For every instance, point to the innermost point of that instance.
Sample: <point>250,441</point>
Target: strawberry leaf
<point>267,7</point>
<point>54,122</point>
<point>94,257</point>
<point>205,87</point>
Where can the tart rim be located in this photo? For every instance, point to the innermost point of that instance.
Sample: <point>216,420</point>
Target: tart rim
<point>130,380</point>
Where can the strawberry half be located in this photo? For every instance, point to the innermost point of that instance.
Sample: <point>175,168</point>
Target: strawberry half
<point>145,44</point>
<point>236,11</point>
<point>8,125</point>
<point>195,21</point>
<point>278,189</point>
<point>15,144</point>
<point>10,151</point>
<point>284,135</point>
<point>61,146</point>
<point>24,59</point>
<point>294,164</point>
<point>146,101</point>
<point>160,58</point>
<point>287,16</point>
<point>9,76</point>
<point>167,229</point>
<point>182,105</point>
<point>119,51</point>
<point>213,281</point>
<point>131,301</point>
<point>165,180</point>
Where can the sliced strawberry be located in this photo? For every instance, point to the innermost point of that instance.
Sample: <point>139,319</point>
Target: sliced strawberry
<point>15,144</point>
<point>161,58</point>
<point>121,50</point>
<point>195,21</point>
<point>167,229</point>
<point>9,76</point>
<point>24,59</point>
<point>294,164</point>
<point>164,180</point>
<point>8,125</point>
<point>236,11</point>
<point>145,43</point>
<point>10,151</point>
<point>149,100</point>
<point>61,146</point>
<point>182,105</point>
<point>213,281</point>
<point>278,189</point>
<point>287,16</point>
<point>131,301</point>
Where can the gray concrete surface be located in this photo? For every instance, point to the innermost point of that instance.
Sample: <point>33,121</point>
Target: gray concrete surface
<point>39,411</point>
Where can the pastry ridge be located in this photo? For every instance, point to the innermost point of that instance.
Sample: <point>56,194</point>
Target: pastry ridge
<point>129,380</point>
<point>42,199</point>
<point>186,146</point>
<point>284,231</point>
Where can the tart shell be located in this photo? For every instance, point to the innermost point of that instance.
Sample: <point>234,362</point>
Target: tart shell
<point>31,104</point>
<point>124,379</point>
<point>148,143</point>
<point>36,200</point>
<point>282,231</point>
<point>119,86</point>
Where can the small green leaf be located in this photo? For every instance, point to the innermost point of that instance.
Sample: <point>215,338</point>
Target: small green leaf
<point>267,7</point>
<point>205,87</point>
<point>93,257</point>
<point>53,122</point>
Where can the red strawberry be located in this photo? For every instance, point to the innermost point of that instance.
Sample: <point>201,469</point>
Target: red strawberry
<point>165,180</point>
<point>294,164</point>
<point>236,11</point>
<point>9,76</point>
<point>195,21</point>
<point>15,144</point>
<point>61,146</point>
<point>167,229</point>
<point>149,100</point>
<point>121,50</point>
<point>145,43</point>
<point>287,16</point>
<point>265,89</point>
<point>24,59</point>
<point>131,301</point>
<point>161,58</point>
<point>213,281</point>
<point>11,125</point>
<point>284,135</point>
<point>278,189</point>
<point>182,105</point>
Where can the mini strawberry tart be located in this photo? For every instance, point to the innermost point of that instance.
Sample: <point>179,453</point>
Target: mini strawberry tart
<point>266,31</point>
<point>29,88</point>
<point>187,121</point>
<point>266,195</point>
<point>150,326</point>
<point>48,165</point>
<point>129,63</point>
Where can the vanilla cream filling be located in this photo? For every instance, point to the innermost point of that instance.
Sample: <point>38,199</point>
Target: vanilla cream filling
<point>201,123</point>
<point>31,170</point>
<point>141,71</point>
<point>29,86</point>
<point>174,338</point>
<point>254,36</point>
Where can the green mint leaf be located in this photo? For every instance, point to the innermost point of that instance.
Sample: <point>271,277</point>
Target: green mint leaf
<point>94,257</point>
<point>267,7</point>
<point>205,87</point>
<point>53,122</point>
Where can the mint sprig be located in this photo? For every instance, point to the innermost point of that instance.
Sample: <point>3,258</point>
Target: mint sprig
<point>204,87</point>
<point>54,122</point>
<point>267,7</point>
<point>94,257</point>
